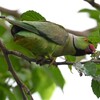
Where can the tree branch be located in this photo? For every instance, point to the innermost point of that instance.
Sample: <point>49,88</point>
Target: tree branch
<point>85,33</point>
<point>14,13</point>
<point>18,54</point>
<point>93,3</point>
<point>48,61</point>
<point>22,87</point>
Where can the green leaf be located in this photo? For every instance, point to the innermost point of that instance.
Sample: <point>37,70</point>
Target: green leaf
<point>32,16</point>
<point>17,93</point>
<point>45,79</point>
<point>3,65</point>
<point>94,37</point>
<point>90,68</point>
<point>2,30</point>
<point>70,58</point>
<point>94,14</point>
<point>2,95</point>
<point>96,87</point>
<point>56,76</point>
<point>98,70</point>
<point>15,62</point>
<point>42,82</point>
<point>6,90</point>
<point>25,74</point>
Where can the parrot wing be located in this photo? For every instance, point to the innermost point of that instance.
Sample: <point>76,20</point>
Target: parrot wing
<point>48,30</point>
<point>51,31</point>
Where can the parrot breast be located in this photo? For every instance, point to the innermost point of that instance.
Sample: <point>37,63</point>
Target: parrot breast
<point>36,44</point>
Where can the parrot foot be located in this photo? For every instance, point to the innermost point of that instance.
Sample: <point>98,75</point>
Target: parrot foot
<point>41,61</point>
<point>53,62</point>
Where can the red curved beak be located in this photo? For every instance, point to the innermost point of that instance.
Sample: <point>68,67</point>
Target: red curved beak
<point>90,49</point>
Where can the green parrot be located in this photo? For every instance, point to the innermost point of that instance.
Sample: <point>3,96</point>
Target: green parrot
<point>47,39</point>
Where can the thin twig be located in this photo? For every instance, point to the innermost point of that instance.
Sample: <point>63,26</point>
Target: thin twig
<point>22,87</point>
<point>93,3</point>
<point>71,63</point>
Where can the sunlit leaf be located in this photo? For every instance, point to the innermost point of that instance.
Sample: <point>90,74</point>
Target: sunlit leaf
<point>43,83</point>
<point>56,76</point>
<point>32,16</point>
<point>94,37</point>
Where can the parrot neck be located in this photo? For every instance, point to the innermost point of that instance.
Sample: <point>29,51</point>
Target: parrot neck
<point>69,48</point>
<point>79,51</point>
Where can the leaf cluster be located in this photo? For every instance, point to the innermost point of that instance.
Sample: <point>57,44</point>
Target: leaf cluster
<point>41,79</point>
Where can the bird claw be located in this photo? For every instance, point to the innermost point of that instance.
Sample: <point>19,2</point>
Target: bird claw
<point>43,60</point>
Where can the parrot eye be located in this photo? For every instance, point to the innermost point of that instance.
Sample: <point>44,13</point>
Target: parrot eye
<point>86,39</point>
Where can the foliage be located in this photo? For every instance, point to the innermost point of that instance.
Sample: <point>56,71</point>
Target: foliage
<point>93,69</point>
<point>96,87</point>
<point>43,79</point>
<point>32,16</point>
<point>95,35</point>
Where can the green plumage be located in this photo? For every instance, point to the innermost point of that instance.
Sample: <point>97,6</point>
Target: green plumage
<point>47,38</point>
<point>40,46</point>
<point>51,39</point>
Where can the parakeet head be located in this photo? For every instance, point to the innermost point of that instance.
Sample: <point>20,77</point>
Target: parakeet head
<point>83,46</point>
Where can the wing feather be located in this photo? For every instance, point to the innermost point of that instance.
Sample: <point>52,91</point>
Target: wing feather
<point>48,30</point>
